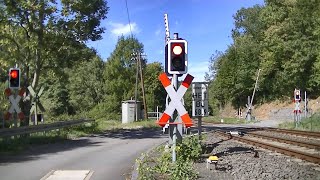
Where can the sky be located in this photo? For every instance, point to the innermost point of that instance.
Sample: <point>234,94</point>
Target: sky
<point>205,24</point>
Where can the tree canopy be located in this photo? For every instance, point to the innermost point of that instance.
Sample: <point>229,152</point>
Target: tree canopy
<point>282,39</point>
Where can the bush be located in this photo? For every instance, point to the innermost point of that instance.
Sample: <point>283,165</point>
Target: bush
<point>163,167</point>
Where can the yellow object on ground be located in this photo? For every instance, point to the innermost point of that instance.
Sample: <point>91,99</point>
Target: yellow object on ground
<point>213,158</point>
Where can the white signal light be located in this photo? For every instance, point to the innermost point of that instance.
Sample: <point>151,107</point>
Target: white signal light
<point>177,50</point>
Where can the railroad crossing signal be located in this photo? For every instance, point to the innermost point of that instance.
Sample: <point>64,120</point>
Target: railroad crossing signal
<point>175,97</point>
<point>297,95</point>
<point>14,104</point>
<point>14,78</point>
<point>297,111</point>
<point>177,56</point>
<point>36,100</point>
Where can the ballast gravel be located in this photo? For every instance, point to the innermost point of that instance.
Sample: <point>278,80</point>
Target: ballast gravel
<point>242,161</point>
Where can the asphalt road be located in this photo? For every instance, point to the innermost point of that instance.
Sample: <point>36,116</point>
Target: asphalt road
<point>110,156</point>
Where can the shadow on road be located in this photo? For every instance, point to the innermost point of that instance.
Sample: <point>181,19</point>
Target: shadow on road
<point>34,152</point>
<point>37,151</point>
<point>142,133</point>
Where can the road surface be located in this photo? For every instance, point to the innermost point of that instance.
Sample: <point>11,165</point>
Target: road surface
<point>109,156</point>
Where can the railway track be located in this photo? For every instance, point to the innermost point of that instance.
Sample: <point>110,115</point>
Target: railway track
<point>285,140</point>
<point>314,158</point>
<point>295,132</point>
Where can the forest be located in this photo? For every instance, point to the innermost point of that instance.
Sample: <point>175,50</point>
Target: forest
<point>47,41</point>
<point>282,38</point>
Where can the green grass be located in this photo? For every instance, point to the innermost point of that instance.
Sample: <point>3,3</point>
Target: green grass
<point>15,145</point>
<point>308,124</point>
<point>157,164</point>
<point>215,119</point>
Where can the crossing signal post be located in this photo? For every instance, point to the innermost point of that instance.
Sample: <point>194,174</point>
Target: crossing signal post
<point>14,78</point>
<point>297,111</point>
<point>14,95</point>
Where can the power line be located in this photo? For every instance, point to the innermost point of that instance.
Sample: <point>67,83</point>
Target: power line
<point>129,18</point>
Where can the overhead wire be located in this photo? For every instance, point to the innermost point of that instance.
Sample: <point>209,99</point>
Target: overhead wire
<point>129,18</point>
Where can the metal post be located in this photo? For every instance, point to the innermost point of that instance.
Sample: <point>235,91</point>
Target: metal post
<point>157,113</point>
<point>35,111</point>
<point>305,104</point>
<point>249,110</point>
<point>200,126</point>
<point>173,127</point>
<point>15,114</point>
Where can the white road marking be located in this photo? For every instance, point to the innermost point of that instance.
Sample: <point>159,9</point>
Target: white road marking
<point>68,174</point>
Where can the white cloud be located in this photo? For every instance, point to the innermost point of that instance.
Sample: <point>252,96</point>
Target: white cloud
<point>119,29</point>
<point>198,70</point>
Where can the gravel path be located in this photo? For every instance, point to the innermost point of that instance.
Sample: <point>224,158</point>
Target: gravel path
<point>237,161</point>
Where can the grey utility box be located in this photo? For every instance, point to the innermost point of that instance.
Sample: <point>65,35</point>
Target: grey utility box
<point>128,111</point>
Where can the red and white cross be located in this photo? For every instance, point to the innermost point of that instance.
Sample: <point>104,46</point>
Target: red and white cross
<point>14,104</point>
<point>175,102</point>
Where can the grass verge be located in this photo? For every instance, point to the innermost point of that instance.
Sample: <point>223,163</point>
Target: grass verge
<point>158,163</point>
<point>308,124</point>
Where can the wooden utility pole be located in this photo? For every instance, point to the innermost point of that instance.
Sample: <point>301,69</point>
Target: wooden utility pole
<point>142,87</point>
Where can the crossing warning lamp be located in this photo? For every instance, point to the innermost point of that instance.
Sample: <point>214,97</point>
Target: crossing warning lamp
<point>177,57</point>
<point>14,78</point>
<point>297,96</point>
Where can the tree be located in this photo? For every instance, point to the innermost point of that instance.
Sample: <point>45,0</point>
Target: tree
<point>282,39</point>
<point>36,34</point>
<point>120,73</point>
<point>86,85</point>
<point>155,93</point>
<point>41,21</point>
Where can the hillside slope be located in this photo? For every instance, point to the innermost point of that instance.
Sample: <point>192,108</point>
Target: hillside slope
<point>275,110</point>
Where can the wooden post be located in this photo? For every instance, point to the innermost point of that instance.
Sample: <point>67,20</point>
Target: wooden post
<point>142,87</point>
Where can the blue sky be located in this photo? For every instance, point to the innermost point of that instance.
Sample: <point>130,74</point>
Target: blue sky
<point>205,24</point>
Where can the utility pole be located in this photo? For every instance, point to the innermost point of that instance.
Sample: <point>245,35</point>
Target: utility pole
<point>142,87</point>
<point>137,57</point>
<point>136,88</point>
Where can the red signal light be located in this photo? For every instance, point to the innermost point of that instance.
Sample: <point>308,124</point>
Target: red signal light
<point>14,78</point>
<point>14,74</point>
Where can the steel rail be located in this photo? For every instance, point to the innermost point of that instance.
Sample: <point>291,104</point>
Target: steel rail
<point>295,132</point>
<point>285,140</point>
<point>294,153</point>
<point>40,128</point>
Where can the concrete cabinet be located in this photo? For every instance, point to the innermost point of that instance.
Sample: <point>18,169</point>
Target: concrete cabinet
<point>128,111</point>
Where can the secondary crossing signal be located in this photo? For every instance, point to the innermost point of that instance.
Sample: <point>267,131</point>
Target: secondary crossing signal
<point>177,57</point>
<point>297,95</point>
<point>14,78</point>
